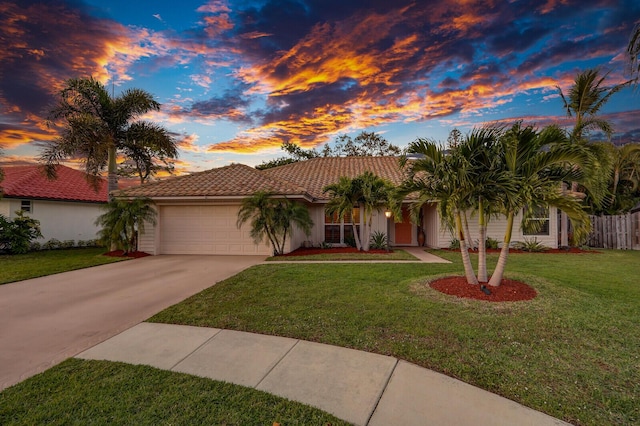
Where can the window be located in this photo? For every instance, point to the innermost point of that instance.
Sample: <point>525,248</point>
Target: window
<point>26,206</point>
<point>538,221</point>
<point>338,231</point>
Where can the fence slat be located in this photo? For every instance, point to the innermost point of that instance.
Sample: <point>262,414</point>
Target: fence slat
<point>620,232</point>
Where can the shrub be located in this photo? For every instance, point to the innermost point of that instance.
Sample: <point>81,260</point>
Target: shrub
<point>35,246</point>
<point>81,243</point>
<point>325,245</point>
<point>530,245</point>
<point>16,234</point>
<point>67,244</point>
<point>378,240</point>
<point>350,241</point>
<point>454,244</point>
<point>491,243</point>
<point>52,244</point>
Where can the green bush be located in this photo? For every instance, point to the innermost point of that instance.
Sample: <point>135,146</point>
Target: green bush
<point>491,243</point>
<point>378,240</point>
<point>16,234</point>
<point>52,244</point>
<point>350,241</point>
<point>35,246</point>
<point>67,244</point>
<point>454,244</point>
<point>530,245</point>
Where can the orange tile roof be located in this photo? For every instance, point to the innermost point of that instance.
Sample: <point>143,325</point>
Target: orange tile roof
<point>316,173</point>
<point>233,180</point>
<point>31,182</point>
<point>305,178</point>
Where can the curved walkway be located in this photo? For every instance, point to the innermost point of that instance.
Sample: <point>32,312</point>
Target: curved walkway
<point>360,387</point>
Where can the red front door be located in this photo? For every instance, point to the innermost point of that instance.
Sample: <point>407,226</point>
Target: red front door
<point>403,229</point>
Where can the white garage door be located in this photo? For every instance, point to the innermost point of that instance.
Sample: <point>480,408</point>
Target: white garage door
<point>205,230</point>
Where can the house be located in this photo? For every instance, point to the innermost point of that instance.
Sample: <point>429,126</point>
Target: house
<point>66,207</point>
<point>197,213</point>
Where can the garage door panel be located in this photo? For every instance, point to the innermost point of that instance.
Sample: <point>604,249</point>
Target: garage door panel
<point>205,230</point>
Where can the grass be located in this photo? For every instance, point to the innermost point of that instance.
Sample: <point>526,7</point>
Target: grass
<point>572,352</point>
<point>395,255</point>
<point>40,263</point>
<point>79,392</point>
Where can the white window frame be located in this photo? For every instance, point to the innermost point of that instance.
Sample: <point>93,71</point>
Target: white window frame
<point>543,232</point>
<point>343,225</point>
<point>29,208</point>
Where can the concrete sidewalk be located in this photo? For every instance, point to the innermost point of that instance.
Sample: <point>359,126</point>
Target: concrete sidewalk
<point>359,387</point>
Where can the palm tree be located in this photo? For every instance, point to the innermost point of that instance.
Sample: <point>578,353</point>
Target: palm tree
<point>624,180</point>
<point>95,126</point>
<point>633,49</point>
<point>147,148</point>
<point>272,218</point>
<point>538,162</point>
<point>367,192</point>
<point>585,99</point>
<point>445,180</point>
<point>344,198</point>
<point>123,221</point>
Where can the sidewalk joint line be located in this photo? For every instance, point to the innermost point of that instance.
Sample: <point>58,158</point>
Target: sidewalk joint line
<point>193,351</point>
<point>384,388</point>
<point>277,363</point>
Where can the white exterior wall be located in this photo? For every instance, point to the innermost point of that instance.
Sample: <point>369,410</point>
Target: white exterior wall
<point>496,228</point>
<point>59,219</point>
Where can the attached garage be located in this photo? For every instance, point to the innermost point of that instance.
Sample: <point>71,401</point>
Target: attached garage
<point>193,229</point>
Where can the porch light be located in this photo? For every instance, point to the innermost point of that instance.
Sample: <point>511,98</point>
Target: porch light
<point>387,214</point>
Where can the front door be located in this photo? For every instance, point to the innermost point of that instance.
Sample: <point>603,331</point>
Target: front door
<point>403,229</point>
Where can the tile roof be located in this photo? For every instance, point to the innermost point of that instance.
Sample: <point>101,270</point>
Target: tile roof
<point>233,180</point>
<point>316,173</point>
<point>31,182</point>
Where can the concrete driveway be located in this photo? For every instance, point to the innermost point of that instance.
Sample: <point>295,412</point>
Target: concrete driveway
<point>44,321</point>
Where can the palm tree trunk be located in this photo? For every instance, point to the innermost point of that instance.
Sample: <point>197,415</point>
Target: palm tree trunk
<point>112,177</point>
<point>482,244</point>
<point>467,232</point>
<point>496,278</point>
<point>464,251</point>
<point>564,224</point>
<point>356,237</point>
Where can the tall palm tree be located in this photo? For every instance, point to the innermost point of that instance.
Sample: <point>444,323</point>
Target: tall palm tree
<point>123,221</point>
<point>445,180</point>
<point>538,161</point>
<point>271,219</point>
<point>584,100</point>
<point>633,49</point>
<point>96,125</point>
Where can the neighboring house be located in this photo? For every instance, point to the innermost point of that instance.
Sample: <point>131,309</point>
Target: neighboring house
<point>197,213</point>
<point>66,207</point>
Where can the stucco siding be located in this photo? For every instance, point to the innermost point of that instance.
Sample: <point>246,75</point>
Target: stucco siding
<point>61,220</point>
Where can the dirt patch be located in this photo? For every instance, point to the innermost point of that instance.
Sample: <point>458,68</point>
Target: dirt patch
<point>334,250</point>
<point>133,254</point>
<point>508,291</point>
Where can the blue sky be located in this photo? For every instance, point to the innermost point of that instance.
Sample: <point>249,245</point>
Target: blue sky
<point>238,78</point>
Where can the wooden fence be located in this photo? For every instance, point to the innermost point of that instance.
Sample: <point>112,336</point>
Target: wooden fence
<point>615,232</point>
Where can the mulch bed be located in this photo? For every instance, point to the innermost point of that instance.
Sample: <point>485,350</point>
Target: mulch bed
<point>133,254</point>
<point>574,250</point>
<point>334,250</point>
<point>508,291</point>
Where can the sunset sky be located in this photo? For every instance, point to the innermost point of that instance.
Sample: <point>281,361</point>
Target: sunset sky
<point>236,78</point>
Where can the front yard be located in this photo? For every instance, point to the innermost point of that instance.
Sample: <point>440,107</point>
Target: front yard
<point>40,263</point>
<point>572,352</point>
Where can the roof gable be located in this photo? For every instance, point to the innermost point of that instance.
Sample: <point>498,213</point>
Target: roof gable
<point>228,181</point>
<point>31,182</point>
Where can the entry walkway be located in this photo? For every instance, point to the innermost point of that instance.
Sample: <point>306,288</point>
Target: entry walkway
<point>359,387</point>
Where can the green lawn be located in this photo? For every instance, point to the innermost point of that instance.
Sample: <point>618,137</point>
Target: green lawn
<point>40,263</point>
<point>80,392</point>
<point>572,352</point>
<point>395,255</point>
